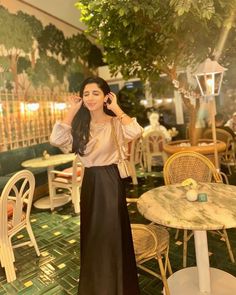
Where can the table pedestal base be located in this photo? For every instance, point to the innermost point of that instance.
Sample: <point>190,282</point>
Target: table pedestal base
<point>44,203</point>
<point>185,282</point>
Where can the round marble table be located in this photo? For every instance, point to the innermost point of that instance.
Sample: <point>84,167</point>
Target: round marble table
<point>49,202</point>
<point>167,205</point>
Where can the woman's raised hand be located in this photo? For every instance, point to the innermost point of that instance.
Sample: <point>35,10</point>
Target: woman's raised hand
<point>75,102</point>
<point>111,101</point>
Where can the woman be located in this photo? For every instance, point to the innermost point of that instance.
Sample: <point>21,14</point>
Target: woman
<point>107,256</point>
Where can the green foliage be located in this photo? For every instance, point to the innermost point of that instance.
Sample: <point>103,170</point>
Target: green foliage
<point>4,63</point>
<point>39,75</point>
<point>5,76</point>
<point>83,54</point>
<point>35,24</point>
<point>47,72</point>
<point>81,47</point>
<point>14,32</point>
<point>53,40</point>
<point>229,61</point>
<point>5,73</point>
<point>95,57</point>
<point>75,79</point>
<point>23,64</point>
<point>129,99</point>
<point>18,33</point>
<point>204,8</point>
<point>75,76</point>
<point>143,38</point>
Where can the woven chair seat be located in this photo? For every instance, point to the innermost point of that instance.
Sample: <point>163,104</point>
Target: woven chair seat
<point>149,241</point>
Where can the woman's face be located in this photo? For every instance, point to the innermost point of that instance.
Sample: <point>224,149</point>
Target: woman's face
<point>93,97</point>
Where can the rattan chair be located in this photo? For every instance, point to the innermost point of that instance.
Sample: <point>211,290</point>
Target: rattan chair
<point>151,241</point>
<point>18,193</point>
<point>184,165</point>
<point>227,158</point>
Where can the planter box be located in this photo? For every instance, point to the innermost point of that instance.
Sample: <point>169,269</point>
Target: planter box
<point>207,150</point>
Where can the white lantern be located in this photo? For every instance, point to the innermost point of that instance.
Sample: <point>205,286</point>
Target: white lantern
<point>209,75</point>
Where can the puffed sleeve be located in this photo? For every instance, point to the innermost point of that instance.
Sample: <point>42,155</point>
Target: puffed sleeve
<point>61,137</point>
<point>132,130</point>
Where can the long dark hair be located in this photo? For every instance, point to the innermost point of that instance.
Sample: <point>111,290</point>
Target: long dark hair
<point>81,121</point>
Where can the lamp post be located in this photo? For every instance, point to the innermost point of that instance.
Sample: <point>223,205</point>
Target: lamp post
<point>209,75</point>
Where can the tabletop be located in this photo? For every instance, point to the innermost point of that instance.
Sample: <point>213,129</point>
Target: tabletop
<point>50,161</point>
<point>168,205</point>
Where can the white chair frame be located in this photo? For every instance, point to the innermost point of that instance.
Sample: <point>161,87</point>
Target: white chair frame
<point>69,181</point>
<point>151,148</point>
<point>19,192</point>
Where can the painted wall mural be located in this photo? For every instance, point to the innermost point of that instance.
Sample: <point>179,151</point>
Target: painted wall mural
<point>33,56</point>
<point>39,68</point>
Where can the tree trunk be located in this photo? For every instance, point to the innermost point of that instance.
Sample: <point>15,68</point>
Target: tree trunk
<point>193,110</point>
<point>13,66</point>
<point>33,58</point>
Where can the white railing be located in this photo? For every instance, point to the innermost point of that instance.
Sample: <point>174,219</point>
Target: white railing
<point>29,120</point>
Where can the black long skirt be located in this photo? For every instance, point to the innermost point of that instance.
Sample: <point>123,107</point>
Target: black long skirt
<point>107,256</point>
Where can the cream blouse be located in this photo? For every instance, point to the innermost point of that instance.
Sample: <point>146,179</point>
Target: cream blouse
<point>101,149</point>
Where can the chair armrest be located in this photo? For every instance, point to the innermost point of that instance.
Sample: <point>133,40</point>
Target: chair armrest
<point>65,180</point>
<point>61,173</point>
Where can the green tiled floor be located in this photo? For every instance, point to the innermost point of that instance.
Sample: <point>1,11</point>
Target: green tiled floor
<point>56,271</point>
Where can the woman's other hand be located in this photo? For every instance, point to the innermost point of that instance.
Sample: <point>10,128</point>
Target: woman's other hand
<point>111,101</point>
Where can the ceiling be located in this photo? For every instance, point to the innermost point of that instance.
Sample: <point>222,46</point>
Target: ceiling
<point>62,9</point>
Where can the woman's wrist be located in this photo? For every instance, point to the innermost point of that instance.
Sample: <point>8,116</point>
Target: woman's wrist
<point>70,116</point>
<point>117,111</point>
<point>121,116</point>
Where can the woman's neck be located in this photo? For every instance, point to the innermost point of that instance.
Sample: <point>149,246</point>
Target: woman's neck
<point>99,117</point>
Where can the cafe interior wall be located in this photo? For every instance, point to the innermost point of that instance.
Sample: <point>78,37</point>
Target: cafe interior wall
<point>29,122</point>
<point>60,13</point>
